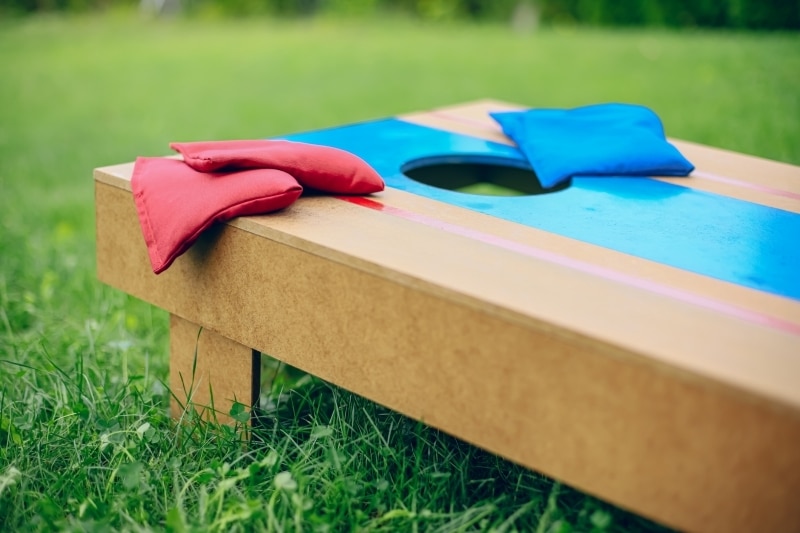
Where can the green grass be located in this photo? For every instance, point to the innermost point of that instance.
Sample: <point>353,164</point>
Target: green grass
<point>85,442</point>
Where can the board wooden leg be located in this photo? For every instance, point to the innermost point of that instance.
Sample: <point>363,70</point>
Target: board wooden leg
<point>210,371</point>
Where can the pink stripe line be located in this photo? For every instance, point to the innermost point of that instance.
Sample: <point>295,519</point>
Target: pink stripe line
<point>456,118</point>
<point>696,174</point>
<point>582,266</point>
<point>745,184</point>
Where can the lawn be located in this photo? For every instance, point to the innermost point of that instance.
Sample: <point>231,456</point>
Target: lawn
<point>85,442</point>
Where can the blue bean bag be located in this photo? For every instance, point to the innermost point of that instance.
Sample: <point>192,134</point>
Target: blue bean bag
<point>595,140</point>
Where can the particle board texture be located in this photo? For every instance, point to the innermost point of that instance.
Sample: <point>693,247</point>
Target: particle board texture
<point>209,372</point>
<point>684,411</point>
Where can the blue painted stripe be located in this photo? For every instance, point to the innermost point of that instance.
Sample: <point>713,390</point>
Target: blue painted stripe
<point>728,239</point>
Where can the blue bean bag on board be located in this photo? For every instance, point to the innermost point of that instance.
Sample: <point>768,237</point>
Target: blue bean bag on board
<point>595,140</point>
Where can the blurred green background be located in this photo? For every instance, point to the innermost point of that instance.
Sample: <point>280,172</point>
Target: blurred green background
<point>751,14</point>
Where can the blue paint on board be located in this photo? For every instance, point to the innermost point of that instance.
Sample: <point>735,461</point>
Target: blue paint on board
<point>728,239</point>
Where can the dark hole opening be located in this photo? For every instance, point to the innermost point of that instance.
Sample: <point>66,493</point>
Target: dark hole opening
<point>488,179</point>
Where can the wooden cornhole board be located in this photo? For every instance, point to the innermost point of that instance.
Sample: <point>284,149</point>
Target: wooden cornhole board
<point>636,338</point>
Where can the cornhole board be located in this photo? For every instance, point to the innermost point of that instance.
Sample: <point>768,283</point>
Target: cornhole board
<point>637,338</point>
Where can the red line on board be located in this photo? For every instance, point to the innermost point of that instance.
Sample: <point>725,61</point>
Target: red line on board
<point>582,266</point>
<point>745,184</point>
<point>466,120</point>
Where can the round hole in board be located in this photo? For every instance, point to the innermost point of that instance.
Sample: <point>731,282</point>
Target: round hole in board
<point>488,176</point>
